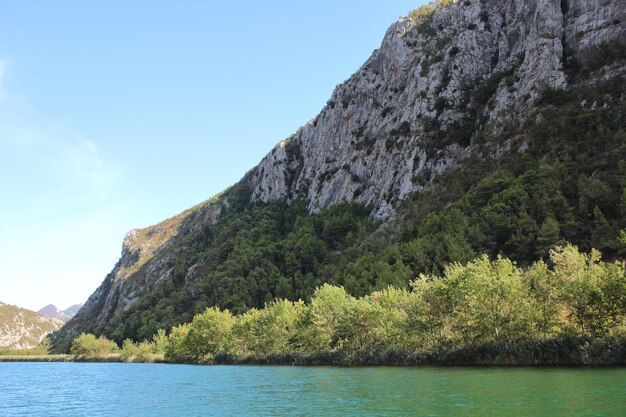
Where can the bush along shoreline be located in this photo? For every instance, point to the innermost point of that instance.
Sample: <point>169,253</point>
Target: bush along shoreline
<point>562,351</point>
<point>569,310</point>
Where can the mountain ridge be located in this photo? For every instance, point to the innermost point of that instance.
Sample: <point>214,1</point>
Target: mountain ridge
<point>446,86</point>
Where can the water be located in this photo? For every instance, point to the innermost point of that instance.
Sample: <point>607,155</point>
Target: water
<point>113,389</point>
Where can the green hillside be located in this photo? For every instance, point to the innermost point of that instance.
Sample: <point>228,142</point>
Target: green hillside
<point>559,177</point>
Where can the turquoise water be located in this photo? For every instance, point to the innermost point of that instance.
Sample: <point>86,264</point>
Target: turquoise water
<point>113,389</point>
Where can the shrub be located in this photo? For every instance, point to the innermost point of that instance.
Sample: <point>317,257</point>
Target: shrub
<point>422,14</point>
<point>88,344</point>
<point>176,350</point>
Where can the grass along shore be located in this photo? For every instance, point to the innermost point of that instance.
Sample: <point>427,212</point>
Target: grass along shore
<point>561,351</point>
<point>108,358</point>
<point>565,351</point>
<point>36,358</point>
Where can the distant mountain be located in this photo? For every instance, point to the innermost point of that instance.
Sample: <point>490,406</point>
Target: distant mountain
<point>71,311</point>
<point>50,311</point>
<point>24,329</point>
<point>53,312</point>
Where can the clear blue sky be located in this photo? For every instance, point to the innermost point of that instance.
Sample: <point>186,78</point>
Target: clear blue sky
<point>115,115</point>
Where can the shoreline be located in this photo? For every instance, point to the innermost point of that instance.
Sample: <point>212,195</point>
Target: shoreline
<point>567,351</point>
<point>109,358</point>
<point>36,358</point>
<point>305,363</point>
<point>562,352</point>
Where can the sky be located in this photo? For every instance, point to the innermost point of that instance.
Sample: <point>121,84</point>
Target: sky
<point>116,115</point>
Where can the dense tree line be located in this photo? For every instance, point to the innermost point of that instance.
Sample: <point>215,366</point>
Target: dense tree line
<point>481,302</point>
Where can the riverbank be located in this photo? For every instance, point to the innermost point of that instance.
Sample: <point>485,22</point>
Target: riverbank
<point>109,358</point>
<point>36,358</point>
<point>563,351</point>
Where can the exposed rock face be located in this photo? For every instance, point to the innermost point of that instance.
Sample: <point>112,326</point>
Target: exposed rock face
<point>591,23</point>
<point>24,329</point>
<point>410,112</point>
<point>464,66</point>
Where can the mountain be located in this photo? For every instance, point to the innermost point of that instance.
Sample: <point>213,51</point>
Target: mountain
<point>72,310</point>
<point>478,126</point>
<point>23,329</point>
<point>53,311</point>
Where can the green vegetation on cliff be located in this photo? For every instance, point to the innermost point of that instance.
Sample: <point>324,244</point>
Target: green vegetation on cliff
<point>569,310</point>
<point>251,256</point>
<point>560,177</point>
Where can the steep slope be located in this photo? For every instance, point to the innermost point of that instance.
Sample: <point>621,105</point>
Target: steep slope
<point>437,78</point>
<point>454,95</point>
<point>23,329</point>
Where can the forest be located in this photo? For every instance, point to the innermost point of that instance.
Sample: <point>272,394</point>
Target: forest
<point>570,309</point>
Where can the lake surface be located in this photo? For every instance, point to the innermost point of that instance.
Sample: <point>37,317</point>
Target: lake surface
<point>117,389</point>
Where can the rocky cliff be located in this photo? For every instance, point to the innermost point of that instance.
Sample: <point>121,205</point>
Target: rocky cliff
<point>411,111</point>
<point>442,76</point>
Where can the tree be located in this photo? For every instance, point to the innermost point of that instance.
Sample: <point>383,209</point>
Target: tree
<point>159,342</point>
<point>88,344</point>
<point>360,326</point>
<point>579,275</point>
<point>376,272</point>
<point>374,322</point>
<point>548,236</point>
<point>317,324</point>
<point>128,349</point>
<point>490,301</point>
<point>547,307</point>
<point>209,333</point>
<point>269,330</point>
<point>613,287</point>
<point>176,349</point>
<point>603,235</point>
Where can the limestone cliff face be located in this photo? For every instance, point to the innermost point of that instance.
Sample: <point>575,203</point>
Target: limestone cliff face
<point>593,23</point>
<point>411,111</point>
<point>449,74</point>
